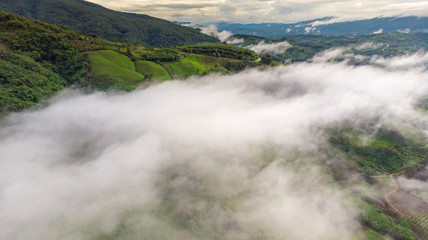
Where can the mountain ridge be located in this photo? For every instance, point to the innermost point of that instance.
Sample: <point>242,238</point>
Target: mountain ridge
<point>323,27</point>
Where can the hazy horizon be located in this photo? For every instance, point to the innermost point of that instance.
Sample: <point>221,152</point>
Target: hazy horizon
<point>269,11</point>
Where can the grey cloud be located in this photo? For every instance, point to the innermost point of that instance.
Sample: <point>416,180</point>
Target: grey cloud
<point>227,9</point>
<point>271,11</point>
<point>164,7</point>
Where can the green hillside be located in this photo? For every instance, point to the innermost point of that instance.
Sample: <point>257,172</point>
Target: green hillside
<point>152,70</point>
<point>86,17</point>
<point>130,73</point>
<point>24,82</point>
<point>37,60</point>
<point>47,44</point>
<point>110,63</point>
<point>388,153</point>
<point>40,58</point>
<point>221,50</point>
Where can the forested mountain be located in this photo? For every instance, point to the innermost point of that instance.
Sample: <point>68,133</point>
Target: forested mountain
<point>87,17</point>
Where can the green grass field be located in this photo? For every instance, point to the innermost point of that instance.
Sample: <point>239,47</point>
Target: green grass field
<point>196,64</point>
<point>119,65</point>
<point>152,70</point>
<point>372,235</point>
<point>110,69</point>
<point>203,62</point>
<point>182,69</point>
<point>388,152</point>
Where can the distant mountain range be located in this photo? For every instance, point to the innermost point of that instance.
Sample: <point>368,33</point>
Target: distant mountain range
<point>325,26</point>
<point>87,17</point>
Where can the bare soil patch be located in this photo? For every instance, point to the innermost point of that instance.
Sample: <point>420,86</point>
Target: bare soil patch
<point>409,202</point>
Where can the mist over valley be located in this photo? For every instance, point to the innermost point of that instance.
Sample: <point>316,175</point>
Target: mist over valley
<point>219,157</point>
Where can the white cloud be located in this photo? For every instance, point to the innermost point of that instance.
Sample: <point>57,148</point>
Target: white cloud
<point>224,36</point>
<point>275,48</point>
<point>415,61</point>
<point>310,29</point>
<point>407,30</point>
<point>217,157</point>
<point>329,55</point>
<point>369,45</point>
<point>378,31</point>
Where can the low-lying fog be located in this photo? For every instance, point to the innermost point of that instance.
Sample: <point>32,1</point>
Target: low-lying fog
<point>218,157</point>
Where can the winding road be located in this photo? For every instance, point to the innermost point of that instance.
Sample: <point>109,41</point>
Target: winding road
<point>396,189</point>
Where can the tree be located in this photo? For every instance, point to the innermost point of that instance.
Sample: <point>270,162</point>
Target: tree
<point>267,59</point>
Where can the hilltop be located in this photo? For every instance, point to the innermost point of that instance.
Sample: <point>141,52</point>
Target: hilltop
<point>86,17</point>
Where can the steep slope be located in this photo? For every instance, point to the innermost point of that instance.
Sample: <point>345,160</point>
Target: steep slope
<point>87,17</point>
<point>24,82</point>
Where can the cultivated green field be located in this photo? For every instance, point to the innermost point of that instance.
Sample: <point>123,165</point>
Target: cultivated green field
<point>388,152</point>
<point>152,70</point>
<point>385,224</point>
<point>372,235</point>
<point>205,63</point>
<point>182,69</point>
<point>119,66</point>
<point>116,64</point>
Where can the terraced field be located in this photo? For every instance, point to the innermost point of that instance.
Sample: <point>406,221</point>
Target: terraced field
<point>414,210</point>
<point>121,69</point>
<point>116,64</point>
<point>152,70</point>
<point>420,222</point>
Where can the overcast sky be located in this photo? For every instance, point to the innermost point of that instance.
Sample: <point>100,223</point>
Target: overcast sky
<point>201,11</point>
